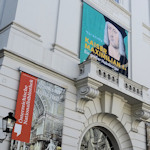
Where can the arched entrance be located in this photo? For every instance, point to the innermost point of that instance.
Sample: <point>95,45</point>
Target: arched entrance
<point>98,138</point>
<point>104,132</point>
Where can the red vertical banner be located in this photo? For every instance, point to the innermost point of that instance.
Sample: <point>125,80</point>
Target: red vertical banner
<point>24,108</point>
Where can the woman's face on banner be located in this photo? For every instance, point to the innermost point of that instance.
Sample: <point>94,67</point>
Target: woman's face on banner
<point>113,35</point>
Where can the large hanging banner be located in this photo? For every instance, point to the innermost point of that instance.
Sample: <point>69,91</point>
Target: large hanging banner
<point>104,40</point>
<point>24,108</point>
<point>46,115</point>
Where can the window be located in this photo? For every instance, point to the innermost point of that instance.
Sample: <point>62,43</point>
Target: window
<point>117,1</point>
<point>98,138</point>
<point>123,3</point>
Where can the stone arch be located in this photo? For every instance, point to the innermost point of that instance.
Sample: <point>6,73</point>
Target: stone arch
<point>109,123</point>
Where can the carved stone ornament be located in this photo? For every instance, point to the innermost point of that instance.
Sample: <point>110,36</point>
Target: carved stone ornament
<point>139,115</point>
<point>88,93</point>
<point>142,114</point>
<point>85,94</point>
<point>87,90</point>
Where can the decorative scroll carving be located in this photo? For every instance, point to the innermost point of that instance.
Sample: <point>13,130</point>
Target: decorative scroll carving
<point>87,90</point>
<point>141,113</point>
<point>85,94</point>
<point>88,93</point>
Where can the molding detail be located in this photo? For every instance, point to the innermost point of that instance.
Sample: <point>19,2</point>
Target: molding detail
<point>133,87</point>
<point>112,104</point>
<point>120,7</point>
<point>146,26</point>
<point>85,94</point>
<point>88,93</point>
<point>87,90</point>
<point>37,67</point>
<point>110,76</point>
<point>113,82</point>
<point>65,51</point>
<point>140,112</point>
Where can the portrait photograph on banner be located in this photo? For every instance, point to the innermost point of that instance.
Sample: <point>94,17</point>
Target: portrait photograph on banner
<point>104,40</point>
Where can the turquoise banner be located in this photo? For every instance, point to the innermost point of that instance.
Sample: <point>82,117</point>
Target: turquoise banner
<point>103,39</point>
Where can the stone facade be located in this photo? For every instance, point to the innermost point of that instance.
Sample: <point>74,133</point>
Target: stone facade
<point>97,100</point>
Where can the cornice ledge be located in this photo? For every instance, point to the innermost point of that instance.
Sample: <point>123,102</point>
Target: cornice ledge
<point>65,51</point>
<point>26,31</point>
<point>146,26</point>
<point>140,112</point>
<point>33,64</point>
<point>120,7</point>
<point>87,90</point>
<point>102,2</point>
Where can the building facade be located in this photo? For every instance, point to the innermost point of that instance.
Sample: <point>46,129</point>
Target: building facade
<point>80,102</point>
